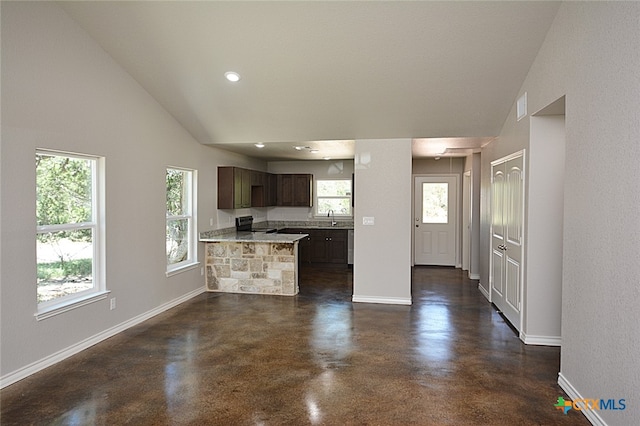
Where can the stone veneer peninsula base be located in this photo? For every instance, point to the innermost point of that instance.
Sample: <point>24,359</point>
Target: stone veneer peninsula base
<point>258,266</point>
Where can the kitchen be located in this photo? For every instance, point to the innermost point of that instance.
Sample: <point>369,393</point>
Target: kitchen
<point>286,213</point>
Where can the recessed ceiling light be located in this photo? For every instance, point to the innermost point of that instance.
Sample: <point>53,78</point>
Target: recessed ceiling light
<point>314,151</point>
<point>259,145</point>
<point>326,158</point>
<point>232,76</point>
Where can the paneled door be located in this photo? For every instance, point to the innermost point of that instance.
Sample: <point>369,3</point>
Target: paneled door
<point>436,219</point>
<point>507,207</point>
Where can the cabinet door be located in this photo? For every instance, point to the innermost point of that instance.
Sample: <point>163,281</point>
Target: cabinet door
<point>302,190</point>
<point>295,190</point>
<point>271,189</point>
<point>242,188</point>
<point>285,190</point>
<point>304,245</point>
<point>319,246</point>
<point>336,246</point>
<point>226,188</point>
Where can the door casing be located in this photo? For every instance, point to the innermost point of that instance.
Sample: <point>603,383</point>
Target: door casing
<point>455,213</point>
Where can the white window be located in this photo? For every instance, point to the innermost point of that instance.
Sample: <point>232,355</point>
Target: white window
<point>70,266</point>
<point>333,196</point>
<point>181,228</point>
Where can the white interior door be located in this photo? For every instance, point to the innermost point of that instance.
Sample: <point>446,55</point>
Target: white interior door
<point>435,232</point>
<point>507,192</point>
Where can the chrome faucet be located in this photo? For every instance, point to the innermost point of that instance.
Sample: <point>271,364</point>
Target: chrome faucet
<point>333,217</point>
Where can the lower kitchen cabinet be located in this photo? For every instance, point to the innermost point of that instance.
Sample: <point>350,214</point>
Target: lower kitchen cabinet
<point>322,245</point>
<point>304,245</point>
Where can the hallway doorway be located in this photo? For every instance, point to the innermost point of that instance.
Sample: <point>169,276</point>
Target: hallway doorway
<point>436,220</point>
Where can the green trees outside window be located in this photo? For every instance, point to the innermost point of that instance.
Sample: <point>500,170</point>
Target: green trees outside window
<point>179,232</point>
<point>333,195</point>
<point>65,225</point>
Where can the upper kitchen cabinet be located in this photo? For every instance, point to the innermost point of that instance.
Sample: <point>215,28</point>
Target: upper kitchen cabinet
<point>264,189</point>
<point>234,188</point>
<point>295,190</point>
<point>271,189</point>
<point>241,188</point>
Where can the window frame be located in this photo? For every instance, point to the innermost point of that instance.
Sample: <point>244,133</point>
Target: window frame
<point>317,197</point>
<point>192,246</point>
<point>98,291</point>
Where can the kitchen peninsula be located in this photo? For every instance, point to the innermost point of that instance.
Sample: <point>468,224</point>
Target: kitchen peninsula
<point>252,262</point>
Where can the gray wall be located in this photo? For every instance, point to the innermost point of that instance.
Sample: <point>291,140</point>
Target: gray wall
<point>445,165</point>
<point>60,90</point>
<point>382,252</point>
<point>591,55</point>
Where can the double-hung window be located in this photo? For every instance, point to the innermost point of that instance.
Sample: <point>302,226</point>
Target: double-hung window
<point>70,267</point>
<point>181,228</point>
<point>333,197</point>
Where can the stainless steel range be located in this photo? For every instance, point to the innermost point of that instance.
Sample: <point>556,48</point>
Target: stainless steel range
<point>245,224</point>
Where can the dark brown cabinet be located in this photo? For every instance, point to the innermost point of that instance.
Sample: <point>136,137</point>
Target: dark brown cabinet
<point>234,188</point>
<point>322,245</point>
<point>329,246</point>
<point>258,193</point>
<point>304,245</point>
<point>295,190</point>
<point>271,189</point>
<point>242,188</point>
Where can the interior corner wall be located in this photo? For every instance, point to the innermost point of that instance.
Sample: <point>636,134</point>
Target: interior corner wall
<point>472,164</point>
<point>591,56</point>
<point>545,202</point>
<point>60,90</point>
<point>382,251</point>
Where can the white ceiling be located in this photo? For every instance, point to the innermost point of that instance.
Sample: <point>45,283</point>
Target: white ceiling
<point>325,71</point>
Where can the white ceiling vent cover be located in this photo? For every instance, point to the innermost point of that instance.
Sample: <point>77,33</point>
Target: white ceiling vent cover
<point>521,106</point>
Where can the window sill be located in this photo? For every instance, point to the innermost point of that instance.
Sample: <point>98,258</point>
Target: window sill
<point>183,268</point>
<point>68,306</point>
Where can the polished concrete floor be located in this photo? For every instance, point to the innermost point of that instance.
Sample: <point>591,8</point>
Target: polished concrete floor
<point>317,358</point>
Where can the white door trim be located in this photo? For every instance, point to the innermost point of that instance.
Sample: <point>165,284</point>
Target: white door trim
<point>456,213</point>
<point>466,221</point>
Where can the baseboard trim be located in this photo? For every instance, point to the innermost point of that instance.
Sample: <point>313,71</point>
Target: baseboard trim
<point>484,292</point>
<point>384,300</point>
<point>573,394</point>
<point>474,276</point>
<point>541,340</point>
<point>52,359</point>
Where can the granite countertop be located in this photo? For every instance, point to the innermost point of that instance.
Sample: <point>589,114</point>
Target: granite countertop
<point>229,234</point>
<point>321,227</point>
<point>252,237</point>
<point>310,224</point>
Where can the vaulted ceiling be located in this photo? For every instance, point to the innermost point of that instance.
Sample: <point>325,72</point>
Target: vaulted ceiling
<point>325,70</point>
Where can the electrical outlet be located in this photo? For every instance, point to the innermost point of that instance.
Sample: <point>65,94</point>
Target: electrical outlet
<point>202,271</point>
<point>112,305</point>
<point>210,221</point>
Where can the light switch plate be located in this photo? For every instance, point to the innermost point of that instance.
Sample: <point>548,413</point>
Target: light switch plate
<point>368,220</point>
